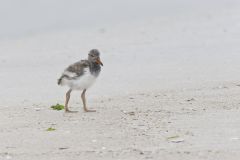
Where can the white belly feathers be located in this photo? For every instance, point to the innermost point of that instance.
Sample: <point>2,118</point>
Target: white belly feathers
<point>83,82</point>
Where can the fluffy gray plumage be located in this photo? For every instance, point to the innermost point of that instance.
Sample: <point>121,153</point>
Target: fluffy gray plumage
<point>77,69</point>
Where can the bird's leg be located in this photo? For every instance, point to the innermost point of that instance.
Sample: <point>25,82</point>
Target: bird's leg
<point>84,102</point>
<point>68,94</point>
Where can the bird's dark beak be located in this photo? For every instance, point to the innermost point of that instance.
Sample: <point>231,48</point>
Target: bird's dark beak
<point>99,62</point>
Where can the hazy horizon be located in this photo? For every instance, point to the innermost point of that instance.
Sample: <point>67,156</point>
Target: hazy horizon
<point>21,18</point>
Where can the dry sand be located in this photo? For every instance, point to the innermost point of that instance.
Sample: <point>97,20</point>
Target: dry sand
<point>169,89</point>
<point>200,123</point>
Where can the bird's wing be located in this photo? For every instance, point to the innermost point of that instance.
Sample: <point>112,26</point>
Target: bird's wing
<point>76,70</point>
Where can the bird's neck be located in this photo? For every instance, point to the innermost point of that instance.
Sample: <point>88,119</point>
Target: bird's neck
<point>95,68</point>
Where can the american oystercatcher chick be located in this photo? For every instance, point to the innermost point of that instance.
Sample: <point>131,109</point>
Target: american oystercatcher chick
<point>81,75</point>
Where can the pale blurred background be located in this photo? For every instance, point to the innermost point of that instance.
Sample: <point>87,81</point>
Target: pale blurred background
<point>25,17</point>
<point>145,44</point>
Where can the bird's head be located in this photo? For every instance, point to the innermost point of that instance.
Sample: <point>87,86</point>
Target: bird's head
<point>94,56</point>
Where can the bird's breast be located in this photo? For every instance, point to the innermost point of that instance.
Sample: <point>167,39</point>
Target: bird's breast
<point>84,81</point>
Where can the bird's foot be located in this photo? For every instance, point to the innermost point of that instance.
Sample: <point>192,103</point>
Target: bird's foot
<point>88,110</point>
<point>68,111</point>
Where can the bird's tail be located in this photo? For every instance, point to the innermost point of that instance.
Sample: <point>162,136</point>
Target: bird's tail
<point>60,80</point>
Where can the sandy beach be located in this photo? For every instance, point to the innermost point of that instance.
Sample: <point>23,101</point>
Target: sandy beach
<point>197,123</point>
<point>169,88</point>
